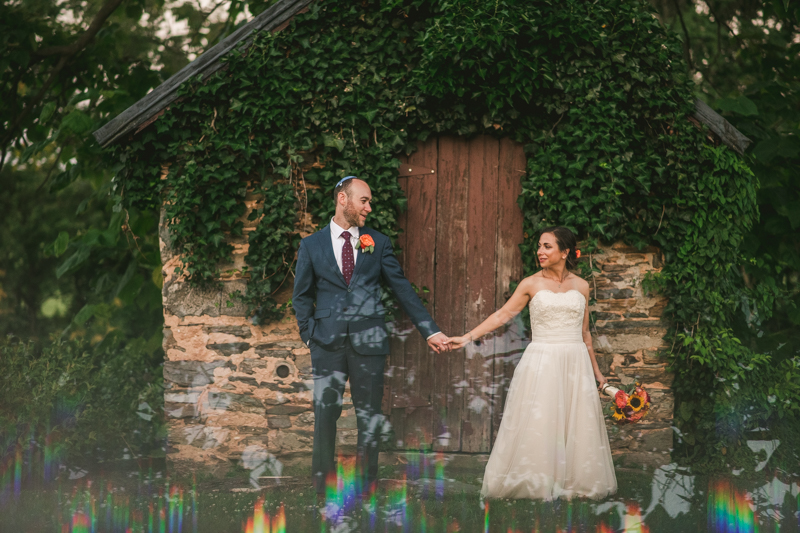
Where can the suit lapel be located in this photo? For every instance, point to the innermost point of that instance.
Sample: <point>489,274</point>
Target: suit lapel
<point>327,252</point>
<point>362,257</point>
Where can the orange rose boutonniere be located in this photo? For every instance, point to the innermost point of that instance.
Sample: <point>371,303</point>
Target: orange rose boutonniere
<point>367,244</point>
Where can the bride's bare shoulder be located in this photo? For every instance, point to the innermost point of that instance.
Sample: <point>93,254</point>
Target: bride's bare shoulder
<point>580,285</point>
<point>532,283</point>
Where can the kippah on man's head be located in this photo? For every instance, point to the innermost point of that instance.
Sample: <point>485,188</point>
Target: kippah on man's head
<point>343,186</point>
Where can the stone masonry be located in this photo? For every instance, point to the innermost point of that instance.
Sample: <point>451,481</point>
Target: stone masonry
<point>628,341</point>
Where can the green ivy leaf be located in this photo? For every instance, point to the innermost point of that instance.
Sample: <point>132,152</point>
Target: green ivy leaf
<point>741,105</point>
<point>61,243</point>
<point>78,122</point>
<point>74,261</point>
<point>47,111</point>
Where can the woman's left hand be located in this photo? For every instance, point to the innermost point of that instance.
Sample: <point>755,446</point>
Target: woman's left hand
<point>600,378</point>
<point>458,342</point>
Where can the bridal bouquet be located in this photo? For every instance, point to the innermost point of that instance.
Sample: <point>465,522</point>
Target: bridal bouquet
<point>630,403</point>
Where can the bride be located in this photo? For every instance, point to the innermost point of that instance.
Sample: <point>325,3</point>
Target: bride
<point>552,440</point>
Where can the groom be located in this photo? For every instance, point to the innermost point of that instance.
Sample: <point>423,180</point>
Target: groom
<point>337,300</point>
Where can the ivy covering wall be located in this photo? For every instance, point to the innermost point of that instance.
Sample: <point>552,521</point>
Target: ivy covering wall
<point>592,90</point>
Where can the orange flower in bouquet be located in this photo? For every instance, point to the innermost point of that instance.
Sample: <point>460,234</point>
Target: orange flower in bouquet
<point>621,399</point>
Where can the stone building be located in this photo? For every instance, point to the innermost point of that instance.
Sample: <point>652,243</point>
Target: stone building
<point>235,388</point>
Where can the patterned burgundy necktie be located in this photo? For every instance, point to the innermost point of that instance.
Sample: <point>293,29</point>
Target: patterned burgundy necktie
<point>347,257</point>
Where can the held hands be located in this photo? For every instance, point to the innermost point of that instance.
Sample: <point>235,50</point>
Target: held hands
<point>439,343</point>
<point>455,343</point>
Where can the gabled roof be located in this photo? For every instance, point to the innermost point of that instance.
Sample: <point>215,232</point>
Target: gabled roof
<point>148,108</point>
<point>274,18</point>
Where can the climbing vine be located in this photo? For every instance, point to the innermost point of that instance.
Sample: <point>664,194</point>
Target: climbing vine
<point>592,90</point>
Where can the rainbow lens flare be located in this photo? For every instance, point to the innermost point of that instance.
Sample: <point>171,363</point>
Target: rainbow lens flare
<point>260,521</point>
<point>633,522</point>
<point>92,510</point>
<point>730,510</point>
<point>439,475</point>
<point>341,489</point>
<point>397,504</point>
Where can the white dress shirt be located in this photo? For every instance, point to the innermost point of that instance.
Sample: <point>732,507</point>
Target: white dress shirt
<point>338,242</point>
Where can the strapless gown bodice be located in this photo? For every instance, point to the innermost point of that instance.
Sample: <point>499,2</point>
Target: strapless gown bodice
<point>557,317</point>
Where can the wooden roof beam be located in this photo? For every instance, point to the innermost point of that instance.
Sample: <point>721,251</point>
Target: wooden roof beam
<point>723,129</point>
<point>209,62</point>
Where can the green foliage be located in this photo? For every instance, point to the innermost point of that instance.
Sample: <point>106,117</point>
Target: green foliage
<point>64,70</point>
<point>593,90</point>
<point>80,397</point>
<point>67,66</point>
<point>75,264</point>
<point>743,58</point>
<point>274,128</point>
<point>701,239</point>
<point>726,391</point>
<point>275,231</point>
<point>64,275</point>
<point>751,77</point>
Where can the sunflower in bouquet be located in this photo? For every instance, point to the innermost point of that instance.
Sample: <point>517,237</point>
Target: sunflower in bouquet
<point>629,404</point>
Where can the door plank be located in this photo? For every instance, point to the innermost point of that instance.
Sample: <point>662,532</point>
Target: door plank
<point>508,346</point>
<point>419,267</point>
<point>462,228</point>
<point>395,373</point>
<point>481,286</point>
<point>451,247</point>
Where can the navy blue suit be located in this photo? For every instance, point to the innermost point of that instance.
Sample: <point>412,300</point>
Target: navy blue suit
<point>345,328</point>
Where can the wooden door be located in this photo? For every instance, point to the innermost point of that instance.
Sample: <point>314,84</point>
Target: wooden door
<point>462,231</point>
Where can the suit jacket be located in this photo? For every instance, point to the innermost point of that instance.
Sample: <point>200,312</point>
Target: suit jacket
<point>329,311</point>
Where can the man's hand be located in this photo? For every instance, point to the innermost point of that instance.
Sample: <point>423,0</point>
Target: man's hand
<point>438,343</point>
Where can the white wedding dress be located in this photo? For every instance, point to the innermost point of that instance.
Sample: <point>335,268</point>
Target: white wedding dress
<point>552,440</point>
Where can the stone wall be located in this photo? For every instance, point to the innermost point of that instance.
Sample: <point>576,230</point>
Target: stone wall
<point>628,340</point>
<point>233,388</point>
<point>236,390</point>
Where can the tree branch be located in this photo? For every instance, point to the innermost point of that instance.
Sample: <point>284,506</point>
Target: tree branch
<point>721,22</point>
<point>9,133</point>
<point>81,42</point>
<point>65,52</point>
<point>50,171</point>
<point>688,44</point>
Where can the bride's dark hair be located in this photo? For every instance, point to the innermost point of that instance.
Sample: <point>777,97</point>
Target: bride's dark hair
<point>565,240</point>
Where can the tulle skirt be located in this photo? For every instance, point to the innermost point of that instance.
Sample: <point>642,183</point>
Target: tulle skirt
<point>552,441</point>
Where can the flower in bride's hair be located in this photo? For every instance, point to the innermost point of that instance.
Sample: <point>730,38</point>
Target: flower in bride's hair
<point>578,254</point>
